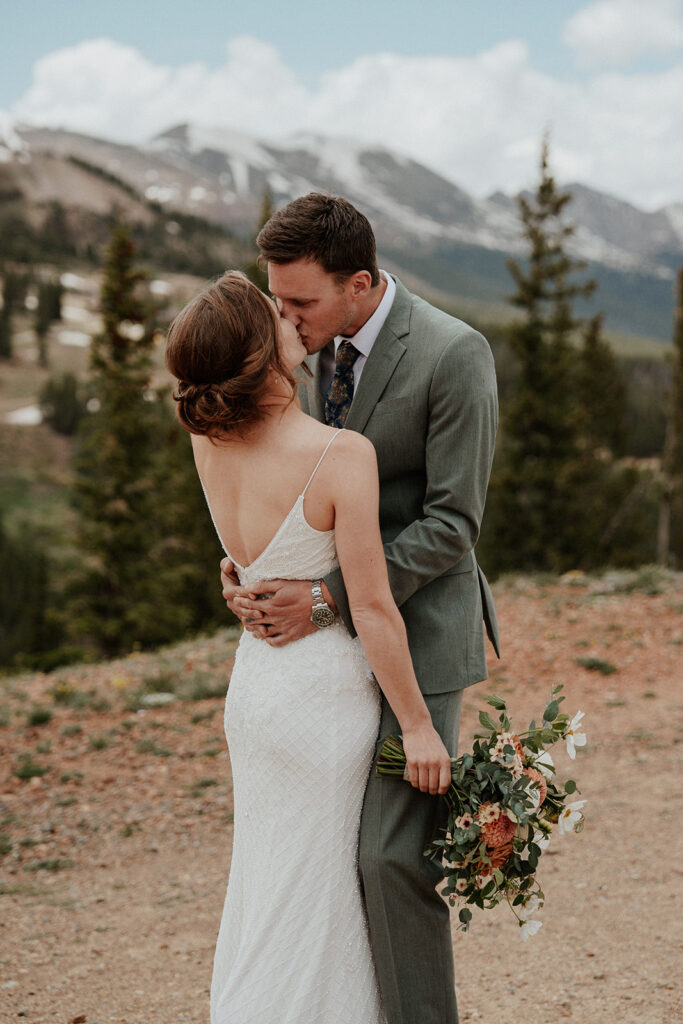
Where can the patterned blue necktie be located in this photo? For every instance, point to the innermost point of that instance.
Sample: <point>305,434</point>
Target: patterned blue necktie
<point>338,400</point>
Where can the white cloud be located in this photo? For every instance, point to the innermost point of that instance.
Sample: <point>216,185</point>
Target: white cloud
<point>613,32</point>
<point>478,120</point>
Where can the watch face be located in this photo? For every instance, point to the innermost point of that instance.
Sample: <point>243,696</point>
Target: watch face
<point>322,616</point>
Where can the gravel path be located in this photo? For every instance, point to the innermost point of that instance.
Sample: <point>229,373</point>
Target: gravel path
<point>116,858</point>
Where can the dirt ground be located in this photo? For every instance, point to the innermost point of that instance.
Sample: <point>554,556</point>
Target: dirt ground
<point>113,863</point>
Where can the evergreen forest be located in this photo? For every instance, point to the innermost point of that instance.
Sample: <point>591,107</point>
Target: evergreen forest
<point>106,546</point>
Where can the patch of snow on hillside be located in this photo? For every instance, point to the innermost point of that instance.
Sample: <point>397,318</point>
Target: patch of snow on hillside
<point>234,144</point>
<point>74,339</point>
<point>10,143</point>
<point>674,214</point>
<point>240,174</point>
<point>29,416</point>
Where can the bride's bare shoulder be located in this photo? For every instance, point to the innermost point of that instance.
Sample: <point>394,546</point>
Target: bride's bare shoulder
<point>353,453</point>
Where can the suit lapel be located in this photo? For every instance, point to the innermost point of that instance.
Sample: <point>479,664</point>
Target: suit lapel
<point>381,363</point>
<point>309,391</point>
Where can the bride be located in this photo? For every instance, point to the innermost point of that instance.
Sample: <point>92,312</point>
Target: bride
<point>292,498</point>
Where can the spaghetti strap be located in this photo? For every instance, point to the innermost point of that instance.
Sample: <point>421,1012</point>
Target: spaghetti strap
<point>317,465</point>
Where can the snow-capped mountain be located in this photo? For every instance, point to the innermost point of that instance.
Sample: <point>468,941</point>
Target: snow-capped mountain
<point>425,224</point>
<point>223,175</point>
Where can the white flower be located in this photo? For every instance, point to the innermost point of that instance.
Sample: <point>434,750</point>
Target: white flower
<point>575,739</point>
<point>530,928</point>
<point>570,816</point>
<point>529,908</point>
<point>461,885</point>
<point>545,764</point>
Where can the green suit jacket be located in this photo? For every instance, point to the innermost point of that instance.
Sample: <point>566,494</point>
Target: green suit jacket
<point>427,400</point>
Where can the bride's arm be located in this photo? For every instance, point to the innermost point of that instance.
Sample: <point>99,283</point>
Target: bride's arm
<point>376,618</point>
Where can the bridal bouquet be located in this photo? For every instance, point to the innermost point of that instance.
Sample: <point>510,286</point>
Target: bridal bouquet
<point>503,805</point>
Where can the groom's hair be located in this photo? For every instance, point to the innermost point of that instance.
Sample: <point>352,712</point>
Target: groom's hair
<point>328,230</point>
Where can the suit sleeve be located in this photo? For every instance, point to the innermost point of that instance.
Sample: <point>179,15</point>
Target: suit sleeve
<point>462,423</point>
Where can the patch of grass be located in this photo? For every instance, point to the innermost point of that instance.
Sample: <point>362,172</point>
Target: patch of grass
<point>4,717</point>
<point>649,695</point>
<point>67,695</point>
<point>21,889</point>
<point>27,768</point>
<point>66,801</point>
<point>27,841</point>
<point>640,735</point>
<point>72,729</point>
<point>197,788</point>
<point>650,579</point>
<point>5,844</point>
<point>204,689</point>
<point>49,864</point>
<point>129,828</point>
<point>38,716</point>
<point>44,748</point>
<point>162,683</point>
<point>147,746</point>
<point>100,742</point>
<point>605,668</point>
<point>203,716</point>
<point>211,752</point>
<point>99,703</point>
<point>615,703</point>
<point>68,776</point>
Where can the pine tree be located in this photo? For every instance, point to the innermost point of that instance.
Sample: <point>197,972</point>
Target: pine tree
<point>62,404</point>
<point>49,309</point>
<point>14,287</point>
<point>671,500</point>
<point>122,596</point>
<point>5,335</point>
<point>254,272</point>
<point>601,391</point>
<point>536,508</point>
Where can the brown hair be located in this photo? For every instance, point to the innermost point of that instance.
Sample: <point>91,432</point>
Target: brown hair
<point>221,347</point>
<point>326,229</point>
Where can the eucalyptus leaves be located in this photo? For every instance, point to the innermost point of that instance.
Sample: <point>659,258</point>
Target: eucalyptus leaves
<point>503,805</point>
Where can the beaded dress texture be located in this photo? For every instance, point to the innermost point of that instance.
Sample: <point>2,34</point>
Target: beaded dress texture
<point>301,723</point>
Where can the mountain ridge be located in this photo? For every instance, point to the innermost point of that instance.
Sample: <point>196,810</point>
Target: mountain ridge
<point>222,175</point>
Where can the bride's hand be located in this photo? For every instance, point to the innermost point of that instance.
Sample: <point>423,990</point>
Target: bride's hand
<point>285,616</point>
<point>429,763</point>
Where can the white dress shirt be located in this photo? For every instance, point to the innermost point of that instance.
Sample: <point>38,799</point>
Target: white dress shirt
<point>363,340</point>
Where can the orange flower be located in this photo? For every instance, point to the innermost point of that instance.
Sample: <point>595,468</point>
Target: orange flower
<point>499,832</point>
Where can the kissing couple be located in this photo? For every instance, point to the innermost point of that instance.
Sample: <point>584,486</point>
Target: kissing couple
<point>343,432</point>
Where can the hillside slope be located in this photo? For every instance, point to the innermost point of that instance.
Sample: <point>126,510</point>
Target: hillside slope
<point>121,849</point>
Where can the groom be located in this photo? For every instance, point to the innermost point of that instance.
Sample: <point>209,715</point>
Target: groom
<point>421,386</point>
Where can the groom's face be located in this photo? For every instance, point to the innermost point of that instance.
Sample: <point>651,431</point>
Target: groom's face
<point>313,300</point>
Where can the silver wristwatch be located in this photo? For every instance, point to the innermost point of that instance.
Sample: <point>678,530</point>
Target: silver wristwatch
<point>322,615</point>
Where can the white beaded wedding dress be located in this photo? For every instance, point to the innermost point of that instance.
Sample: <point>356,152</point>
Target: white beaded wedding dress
<point>301,723</point>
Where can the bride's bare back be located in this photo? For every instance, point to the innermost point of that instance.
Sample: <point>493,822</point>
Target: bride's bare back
<point>252,484</point>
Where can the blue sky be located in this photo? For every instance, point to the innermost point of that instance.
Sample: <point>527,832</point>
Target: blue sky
<point>466,87</point>
<point>316,36</point>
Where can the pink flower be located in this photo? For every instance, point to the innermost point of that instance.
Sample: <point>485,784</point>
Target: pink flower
<point>488,812</point>
<point>464,821</point>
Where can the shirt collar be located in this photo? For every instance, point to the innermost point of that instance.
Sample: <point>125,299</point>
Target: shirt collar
<point>365,338</point>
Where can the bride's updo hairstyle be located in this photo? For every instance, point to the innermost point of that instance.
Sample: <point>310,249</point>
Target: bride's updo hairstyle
<point>221,347</point>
